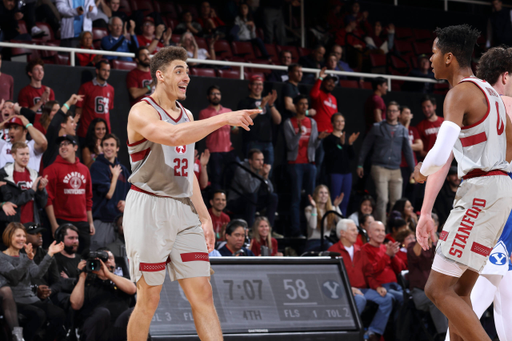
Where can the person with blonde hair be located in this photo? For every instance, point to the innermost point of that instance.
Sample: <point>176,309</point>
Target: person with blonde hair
<point>188,42</point>
<point>262,236</point>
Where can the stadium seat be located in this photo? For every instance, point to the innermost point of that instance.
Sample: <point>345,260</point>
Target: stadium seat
<point>366,85</point>
<point>378,62</point>
<point>99,33</point>
<point>349,84</point>
<point>222,50</point>
<point>403,46</point>
<point>243,49</point>
<point>258,70</point>
<point>403,33</point>
<point>48,55</point>
<point>122,65</point>
<point>189,7</point>
<point>400,65</point>
<point>422,48</point>
<point>47,29</point>
<point>303,51</point>
<point>167,9</point>
<point>202,72</point>
<point>233,74</point>
<point>272,52</point>
<point>292,49</point>
<point>422,34</point>
<point>61,59</point>
<point>22,26</point>
<point>97,45</point>
<point>125,7</point>
<point>142,5</point>
<point>201,43</point>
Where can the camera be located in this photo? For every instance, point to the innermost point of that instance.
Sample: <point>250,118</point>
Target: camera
<point>93,260</point>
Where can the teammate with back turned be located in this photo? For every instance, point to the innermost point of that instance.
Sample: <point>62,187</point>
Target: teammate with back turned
<point>167,224</point>
<point>478,132</point>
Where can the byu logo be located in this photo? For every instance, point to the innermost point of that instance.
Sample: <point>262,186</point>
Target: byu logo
<point>332,290</point>
<point>498,258</point>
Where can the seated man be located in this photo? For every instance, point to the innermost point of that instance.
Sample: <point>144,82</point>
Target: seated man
<point>359,271</point>
<point>118,40</point>
<point>235,238</point>
<point>154,39</point>
<point>285,57</point>
<point>219,219</point>
<point>252,190</point>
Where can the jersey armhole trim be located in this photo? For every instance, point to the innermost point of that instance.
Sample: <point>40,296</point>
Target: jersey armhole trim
<point>135,143</point>
<point>488,104</point>
<point>147,100</point>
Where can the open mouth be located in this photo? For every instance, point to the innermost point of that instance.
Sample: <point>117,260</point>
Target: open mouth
<point>183,88</point>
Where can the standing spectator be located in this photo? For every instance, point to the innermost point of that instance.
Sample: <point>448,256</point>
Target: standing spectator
<point>100,19</point>
<point>69,258</point>
<point>109,187</point>
<point>388,139</point>
<point>34,95</point>
<point>408,188</point>
<point>76,16</point>
<point>50,108</point>
<point>291,90</point>
<point>374,107</point>
<point>92,146</point>
<point>337,163</point>
<point>260,135</point>
<point>235,238</point>
<point>188,42</point>
<point>115,8</point>
<point>251,189</point>
<point>87,59</point>
<point>219,219</point>
<point>314,60</point>
<point>351,38</point>
<point>139,81</point>
<point>209,20</point>
<point>499,28</point>
<point>120,39</point>
<point>444,201</point>
<point>70,192</point>
<point>262,237</point>
<point>218,143</point>
<point>247,30</point>
<point>9,16</point>
<point>273,21</point>
<point>285,58</point>
<point>98,99</point>
<point>429,127</point>
<point>331,64</point>
<point>188,25</point>
<point>302,140</point>
<point>6,83</point>
<point>18,127</point>
<point>23,187</point>
<point>366,207</point>
<point>154,39</point>
<point>424,71</point>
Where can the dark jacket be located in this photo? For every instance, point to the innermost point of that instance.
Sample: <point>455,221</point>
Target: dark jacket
<point>247,183</point>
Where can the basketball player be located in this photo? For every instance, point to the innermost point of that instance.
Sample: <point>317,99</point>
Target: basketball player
<point>479,132</point>
<point>167,224</point>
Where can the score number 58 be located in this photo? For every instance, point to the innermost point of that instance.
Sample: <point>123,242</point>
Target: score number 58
<point>296,288</point>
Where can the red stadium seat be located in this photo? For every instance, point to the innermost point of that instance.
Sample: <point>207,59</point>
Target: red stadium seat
<point>49,55</point>
<point>191,8</point>
<point>422,48</point>
<point>292,49</point>
<point>141,5</point>
<point>61,59</point>
<point>222,50</point>
<point>233,74</point>
<point>22,26</point>
<point>400,65</point>
<point>403,33</point>
<point>166,8</point>
<point>366,85</point>
<point>122,65</point>
<point>202,72</point>
<point>99,33</point>
<point>47,29</point>
<point>272,52</point>
<point>243,49</point>
<point>349,84</point>
<point>258,70</point>
<point>403,46</point>
<point>304,51</point>
<point>378,62</point>
<point>176,38</point>
<point>422,34</point>
<point>97,45</point>
<point>201,43</point>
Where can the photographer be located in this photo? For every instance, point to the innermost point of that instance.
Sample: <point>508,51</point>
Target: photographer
<point>102,298</point>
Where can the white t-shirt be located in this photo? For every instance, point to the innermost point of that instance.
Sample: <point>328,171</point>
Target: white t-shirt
<point>5,154</point>
<point>350,251</point>
<point>201,54</point>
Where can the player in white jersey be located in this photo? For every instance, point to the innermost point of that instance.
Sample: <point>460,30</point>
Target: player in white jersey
<point>478,132</point>
<point>167,224</point>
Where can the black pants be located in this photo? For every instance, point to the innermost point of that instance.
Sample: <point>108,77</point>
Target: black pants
<point>84,236</point>
<point>37,314</point>
<point>31,14</point>
<point>98,326</point>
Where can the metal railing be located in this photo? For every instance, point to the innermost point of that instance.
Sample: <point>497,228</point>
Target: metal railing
<point>473,2</point>
<point>72,51</point>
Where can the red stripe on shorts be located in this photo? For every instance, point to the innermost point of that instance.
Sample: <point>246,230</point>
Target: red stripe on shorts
<point>139,155</point>
<point>443,236</point>
<point>154,267</point>
<point>193,256</point>
<point>472,140</point>
<point>481,249</point>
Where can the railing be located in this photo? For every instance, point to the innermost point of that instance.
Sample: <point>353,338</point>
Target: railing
<point>474,2</point>
<point>242,66</point>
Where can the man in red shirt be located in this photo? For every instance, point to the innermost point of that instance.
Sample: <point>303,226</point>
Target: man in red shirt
<point>374,107</point>
<point>6,84</point>
<point>154,39</point>
<point>429,127</point>
<point>139,81</point>
<point>70,192</point>
<point>219,219</point>
<point>360,275</point>
<point>382,257</point>
<point>218,143</point>
<point>98,99</point>
<point>34,95</point>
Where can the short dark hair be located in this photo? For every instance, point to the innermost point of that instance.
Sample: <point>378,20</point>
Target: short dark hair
<point>393,103</point>
<point>66,117</point>
<point>102,61</point>
<point>30,66</point>
<point>429,98</point>
<point>252,152</point>
<point>397,223</point>
<point>164,57</point>
<point>218,191</point>
<point>213,87</point>
<point>317,46</point>
<point>293,66</point>
<point>404,107</point>
<point>300,97</point>
<point>378,81</point>
<point>458,40</point>
<point>142,48</point>
<point>333,117</point>
<point>68,227</point>
<point>111,136</point>
<point>283,52</point>
<point>493,63</point>
<point>234,224</point>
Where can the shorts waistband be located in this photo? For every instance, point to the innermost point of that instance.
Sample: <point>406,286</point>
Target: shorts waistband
<point>475,173</point>
<point>186,201</point>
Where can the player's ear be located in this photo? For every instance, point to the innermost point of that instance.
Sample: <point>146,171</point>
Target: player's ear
<point>448,58</point>
<point>160,75</point>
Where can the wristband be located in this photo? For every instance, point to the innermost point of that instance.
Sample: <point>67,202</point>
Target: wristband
<point>259,107</point>
<point>149,88</point>
<point>307,112</point>
<point>28,125</point>
<point>359,166</point>
<point>271,106</point>
<point>321,78</point>
<point>314,214</point>
<point>66,105</point>
<point>2,204</point>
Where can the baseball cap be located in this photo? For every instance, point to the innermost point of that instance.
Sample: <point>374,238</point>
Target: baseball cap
<point>33,228</point>
<point>256,78</point>
<point>69,138</point>
<point>14,120</point>
<point>149,19</point>
<point>421,56</point>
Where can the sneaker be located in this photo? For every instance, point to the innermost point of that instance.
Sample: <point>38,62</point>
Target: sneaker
<point>277,235</point>
<point>36,32</point>
<point>17,334</point>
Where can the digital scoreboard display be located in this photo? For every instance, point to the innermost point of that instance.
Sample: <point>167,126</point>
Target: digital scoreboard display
<point>266,295</point>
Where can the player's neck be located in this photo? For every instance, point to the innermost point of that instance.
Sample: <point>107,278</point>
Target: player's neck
<point>462,73</point>
<point>35,84</point>
<point>499,87</point>
<point>19,168</point>
<point>166,101</point>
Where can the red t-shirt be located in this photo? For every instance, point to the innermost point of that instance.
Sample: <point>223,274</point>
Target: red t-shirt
<point>143,41</point>
<point>428,132</point>
<point>85,58</point>
<point>256,246</point>
<point>30,96</point>
<point>217,222</point>
<point>302,156</point>
<point>139,79</point>
<point>97,103</point>
<point>372,103</point>
<point>413,136</point>
<point>23,181</point>
<point>325,105</point>
<point>218,141</point>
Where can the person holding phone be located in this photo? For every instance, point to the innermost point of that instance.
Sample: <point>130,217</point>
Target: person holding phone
<point>76,17</point>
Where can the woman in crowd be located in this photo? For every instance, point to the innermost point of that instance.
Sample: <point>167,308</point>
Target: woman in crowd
<point>262,236</point>
<point>364,224</point>
<point>338,154</point>
<point>380,39</point>
<point>19,270</point>
<point>405,237</point>
<point>97,129</point>
<point>188,42</point>
<point>404,206</point>
<point>9,310</point>
<point>321,203</point>
<point>50,108</point>
<point>366,206</point>
<point>245,30</point>
<point>87,59</point>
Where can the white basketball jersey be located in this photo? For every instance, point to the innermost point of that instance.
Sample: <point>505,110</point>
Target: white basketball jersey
<point>159,169</point>
<point>483,145</point>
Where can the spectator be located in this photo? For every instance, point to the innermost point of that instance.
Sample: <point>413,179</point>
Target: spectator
<point>444,201</point>
<point>34,95</point>
<point>70,192</point>
<point>188,42</point>
<point>138,80</point>
<point>420,263</point>
<point>388,139</point>
<point>260,135</point>
<point>251,189</point>
<point>320,204</point>
<point>365,222</point>
<point>87,59</point>
<point>100,19</point>
<point>20,270</point>
<point>302,140</point>
<point>120,39</point>
<point>69,258</point>
<point>405,208</point>
<point>404,238</point>
<point>374,107</point>
<point>218,143</point>
<point>6,82</point>
<point>210,22</point>
<point>235,239</point>
<point>314,60</point>
<point>23,187</point>
<point>18,127</point>
<point>291,90</point>
<point>50,108</point>
<point>340,64</point>
<point>382,257</point>
<point>352,39</point>
<point>76,17</point>
<point>102,301</point>
<point>366,206</point>
<point>110,187</point>
<point>9,311</point>
<point>364,286</point>
<point>188,25</point>
<point>92,147</point>
<point>379,39</point>
<point>262,237</point>
<point>115,8</point>
<point>396,226</point>
<point>273,21</point>
<point>499,28</point>
<point>9,16</point>
<point>285,58</point>
<point>408,188</point>
<point>330,64</point>
<point>244,23</point>
<point>200,164</point>
<point>337,163</point>
<point>360,18</point>
<point>118,246</point>
<point>98,99</point>
<point>429,127</point>
<point>219,219</point>
<point>154,39</point>
<point>424,71</point>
